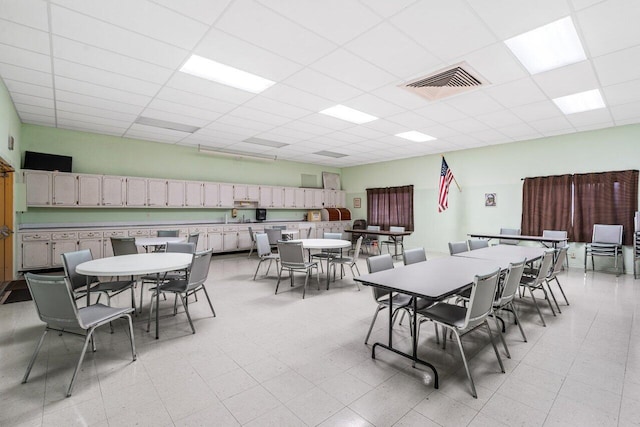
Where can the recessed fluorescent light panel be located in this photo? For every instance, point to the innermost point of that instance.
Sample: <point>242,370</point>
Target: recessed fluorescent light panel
<point>265,142</point>
<point>223,152</point>
<point>579,102</point>
<point>415,136</point>
<point>220,73</point>
<point>348,114</point>
<point>330,154</point>
<point>551,46</point>
<point>164,124</point>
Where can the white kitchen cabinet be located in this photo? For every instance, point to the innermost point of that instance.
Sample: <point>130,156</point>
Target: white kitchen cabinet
<point>211,194</point>
<point>62,242</point>
<point>244,238</point>
<point>341,201</point>
<point>244,192</point>
<point>293,197</point>
<point>175,194</point>
<point>65,189</point>
<point>193,192</point>
<point>113,188</point>
<point>136,192</point>
<point>330,198</point>
<point>214,238</point>
<point>156,193</point>
<point>271,197</point>
<point>226,196</point>
<point>313,198</point>
<point>38,187</point>
<point>35,251</point>
<point>89,190</point>
<point>230,239</point>
<point>93,241</point>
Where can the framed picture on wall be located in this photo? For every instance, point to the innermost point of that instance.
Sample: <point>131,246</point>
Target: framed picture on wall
<point>357,202</point>
<point>490,199</point>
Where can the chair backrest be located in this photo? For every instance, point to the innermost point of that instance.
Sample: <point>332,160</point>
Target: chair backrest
<point>168,233</point>
<point>379,263</point>
<point>605,233</point>
<point>251,235</point>
<point>478,244</point>
<point>193,238</point>
<point>356,252</point>
<point>124,246</point>
<point>545,266</point>
<point>199,269</point>
<point>291,254</point>
<point>509,232</point>
<point>556,234</point>
<point>54,301</point>
<point>511,282</point>
<point>337,236</point>
<point>483,292</point>
<point>262,244</point>
<point>373,227</point>
<point>274,235</point>
<point>412,256</point>
<point>397,229</point>
<point>457,247</point>
<point>182,247</point>
<point>359,224</point>
<point>279,227</point>
<point>70,260</point>
<point>309,232</point>
<point>560,258</point>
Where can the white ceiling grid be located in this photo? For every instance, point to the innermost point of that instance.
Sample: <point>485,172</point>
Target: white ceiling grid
<point>97,66</point>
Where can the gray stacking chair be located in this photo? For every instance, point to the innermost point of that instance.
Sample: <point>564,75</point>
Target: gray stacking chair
<point>381,296</point>
<point>265,254</point>
<point>70,260</point>
<point>274,235</point>
<point>56,307</point>
<point>538,281</point>
<point>505,297</point>
<point>166,233</point>
<point>348,261</point>
<point>412,256</point>
<point>185,287</point>
<point>557,268</point>
<point>370,239</point>
<point>395,243</point>
<point>253,242</point>
<point>292,259</point>
<point>606,241</point>
<point>557,234</point>
<point>478,244</point>
<point>193,238</point>
<point>328,253</point>
<point>509,232</point>
<point>457,247</point>
<point>124,246</point>
<point>460,319</point>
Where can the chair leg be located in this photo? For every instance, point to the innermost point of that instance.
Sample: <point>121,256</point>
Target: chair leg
<point>562,290</point>
<point>206,294</point>
<point>466,365</point>
<point>306,280</point>
<point>269,267</point>
<point>153,298</point>
<point>373,321</point>
<point>35,355</point>
<point>535,303</point>
<point>141,293</point>
<point>185,304</point>
<point>553,296</point>
<point>501,335</point>
<point>279,276</point>
<point>84,350</point>
<point>495,349</point>
<point>515,314</point>
<point>257,268</point>
<point>131,338</point>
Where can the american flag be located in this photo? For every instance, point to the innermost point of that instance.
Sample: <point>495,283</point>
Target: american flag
<point>446,176</point>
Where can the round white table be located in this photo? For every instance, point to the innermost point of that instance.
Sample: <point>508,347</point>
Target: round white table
<point>324,244</point>
<point>135,265</point>
<point>145,242</point>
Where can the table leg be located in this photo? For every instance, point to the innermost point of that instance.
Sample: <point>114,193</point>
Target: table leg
<point>328,275</point>
<point>157,305</point>
<point>88,291</point>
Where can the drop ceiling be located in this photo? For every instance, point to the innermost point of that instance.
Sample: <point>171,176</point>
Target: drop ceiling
<point>98,66</point>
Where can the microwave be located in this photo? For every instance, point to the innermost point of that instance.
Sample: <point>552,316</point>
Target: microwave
<point>261,214</point>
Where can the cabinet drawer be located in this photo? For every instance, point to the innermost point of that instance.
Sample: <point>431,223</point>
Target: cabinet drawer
<point>115,233</point>
<point>197,230</point>
<point>64,236</point>
<point>138,233</point>
<point>232,228</point>
<point>89,234</point>
<point>33,237</point>
<point>214,229</point>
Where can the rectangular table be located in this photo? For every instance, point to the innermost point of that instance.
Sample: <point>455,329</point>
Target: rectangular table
<point>436,279</point>
<point>552,240</point>
<point>393,235</point>
<point>509,253</point>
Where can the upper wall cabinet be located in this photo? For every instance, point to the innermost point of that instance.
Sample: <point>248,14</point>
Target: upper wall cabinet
<point>58,189</point>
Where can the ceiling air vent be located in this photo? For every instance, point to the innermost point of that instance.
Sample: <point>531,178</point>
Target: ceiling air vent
<point>447,82</point>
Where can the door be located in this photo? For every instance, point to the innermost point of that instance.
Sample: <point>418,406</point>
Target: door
<point>6,222</point>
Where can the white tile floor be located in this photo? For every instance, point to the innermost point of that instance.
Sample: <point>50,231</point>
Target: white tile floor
<point>278,360</point>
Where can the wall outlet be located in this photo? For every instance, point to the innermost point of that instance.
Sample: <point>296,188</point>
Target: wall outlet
<point>572,255</point>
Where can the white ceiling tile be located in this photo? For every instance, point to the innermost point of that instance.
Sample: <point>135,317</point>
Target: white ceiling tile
<point>346,137</point>
<point>34,109</point>
<point>26,75</point>
<point>452,32</point>
<point>105,104</point>
<point>628,112</point>
<point>164,135</point>
<point>227,49</point>
<point>536,111</point>
<point>92,111</point>
<point>248,148</point>
<point>567,80</point>
<point>583,4</point>
<point>385,126</point>
<point>250,21</point>
<point>495,63</point>
<point>75,26</point>
<point>251,114</point>
<point>622,93</point>
<point>400,97</point>
<point>474,103</point>
<point>337,20</point>
<point>491,136</point>
<point>469,125</point>
<point>285,132</point>
<point>520,132</point>
<point>550,125</point>
<point>32,13</point>
<point>206,11</point>
<point>280,108</point>
<point>386,8</point>
<point>200,116</point>
<point>379,46</point>
<point>594,126</point>
<point>194,100</point>
<point>225,132</point>
<point>109,93</point>
<point>508,18</point>
<point>70,117</point>
<point>618,67</point>
<point>601,115</point>
<point>36,119</point>
<point>292,96</point>
<point>102,59</point>
<point>364,132</point>
<point>104,78</point>
<point>24,37</point>
<point>207,141</point>
<point>499,119</point>
<point>246,125</point>
<point>374,105</point>
<point>610,26</point>
<point>198,86</point>
<point>441,112</point>
<point>38,101</point>
<point>438,131</point>
<point>29,89</point>
<point>91,127</point>
<point>273,136</point>
<point>175,118</point>
<point>326,122</point>
<point>348,68</point>
<point>519,92</point>
<point>307,127</point>
<point>410,120</point>
<point>24,58</point>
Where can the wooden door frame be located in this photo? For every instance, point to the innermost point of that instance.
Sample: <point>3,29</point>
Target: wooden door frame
<point>7,172</point>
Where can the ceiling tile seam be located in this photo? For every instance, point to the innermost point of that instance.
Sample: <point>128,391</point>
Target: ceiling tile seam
<point>177,12</point>
<point>53,70</point>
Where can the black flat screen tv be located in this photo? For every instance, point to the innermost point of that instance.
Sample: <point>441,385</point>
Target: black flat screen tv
<point>46,162</point>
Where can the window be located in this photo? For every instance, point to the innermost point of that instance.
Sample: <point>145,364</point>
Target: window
<point>576,202</point>
<point>390,206</point>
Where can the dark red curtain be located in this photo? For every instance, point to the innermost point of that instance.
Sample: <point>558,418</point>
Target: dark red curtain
<point>605,198</point>
<point>546,205</point>
<point>390,206</point>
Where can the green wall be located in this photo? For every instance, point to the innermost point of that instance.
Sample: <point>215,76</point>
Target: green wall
<point>494,169</point>
<point>9,126</point>
<point>110,155</point>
